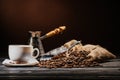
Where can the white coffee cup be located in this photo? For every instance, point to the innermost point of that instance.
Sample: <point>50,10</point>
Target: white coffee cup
<point>22,52</point>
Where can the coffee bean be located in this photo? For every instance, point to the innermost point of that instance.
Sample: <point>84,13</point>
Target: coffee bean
<point>75,60</point>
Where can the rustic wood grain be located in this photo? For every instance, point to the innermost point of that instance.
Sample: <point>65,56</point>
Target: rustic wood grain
<point>109,70</point>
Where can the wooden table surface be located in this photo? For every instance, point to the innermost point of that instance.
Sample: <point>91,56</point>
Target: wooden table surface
<point>109,70</point>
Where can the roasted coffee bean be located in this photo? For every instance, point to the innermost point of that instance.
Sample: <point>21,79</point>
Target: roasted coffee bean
<point>75,60</point>
<point>82,65</point>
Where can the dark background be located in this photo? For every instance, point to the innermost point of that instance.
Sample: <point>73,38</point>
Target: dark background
<point>91,21</point>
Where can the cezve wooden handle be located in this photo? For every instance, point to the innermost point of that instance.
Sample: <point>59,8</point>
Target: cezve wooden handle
<point>53,32</point>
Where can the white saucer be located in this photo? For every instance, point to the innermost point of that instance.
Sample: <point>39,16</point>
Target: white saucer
<point>31,62</point>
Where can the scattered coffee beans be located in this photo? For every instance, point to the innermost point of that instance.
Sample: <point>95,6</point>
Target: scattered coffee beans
<point>75,60</point>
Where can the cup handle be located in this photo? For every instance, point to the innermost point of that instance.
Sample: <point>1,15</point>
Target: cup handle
<point>37,54</point>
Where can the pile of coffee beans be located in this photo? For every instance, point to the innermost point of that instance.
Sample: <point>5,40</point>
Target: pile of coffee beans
<point>74,60</point>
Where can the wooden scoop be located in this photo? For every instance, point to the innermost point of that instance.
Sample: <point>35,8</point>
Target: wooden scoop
<point>54,32</point>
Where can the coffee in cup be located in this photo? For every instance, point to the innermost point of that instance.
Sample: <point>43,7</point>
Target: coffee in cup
<point>22,53</point>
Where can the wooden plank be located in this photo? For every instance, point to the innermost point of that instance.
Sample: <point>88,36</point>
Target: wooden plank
<point>109,70</point>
